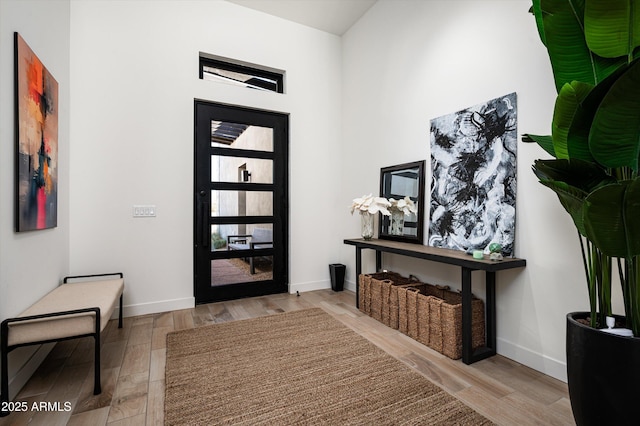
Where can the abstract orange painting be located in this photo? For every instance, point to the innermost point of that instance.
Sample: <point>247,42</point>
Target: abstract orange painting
<point>36,141</point>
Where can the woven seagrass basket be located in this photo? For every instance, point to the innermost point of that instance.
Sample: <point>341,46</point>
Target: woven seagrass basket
<point>377,295</point>
<point>410,306</point>
<point>432,315</point>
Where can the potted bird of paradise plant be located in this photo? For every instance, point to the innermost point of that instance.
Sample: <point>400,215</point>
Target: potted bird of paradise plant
<point>595,145</point>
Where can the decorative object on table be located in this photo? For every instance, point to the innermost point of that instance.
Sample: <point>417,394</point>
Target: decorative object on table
<point>369,206</point>
<point>36,141</point>
<point>595,141</point>
<point>495,252</point>
<point>398,183</point>
<point>473,192</point>
<point>495,248</point>
<point>399,210</point>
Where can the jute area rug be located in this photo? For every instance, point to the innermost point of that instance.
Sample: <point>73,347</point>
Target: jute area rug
<point>297,368</point>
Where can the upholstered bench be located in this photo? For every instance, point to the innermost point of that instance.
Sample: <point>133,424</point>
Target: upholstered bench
<point>261,238</point>
<point>72,310</point>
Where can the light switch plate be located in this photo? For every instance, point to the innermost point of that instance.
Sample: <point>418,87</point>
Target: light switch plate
<point>144,210</point>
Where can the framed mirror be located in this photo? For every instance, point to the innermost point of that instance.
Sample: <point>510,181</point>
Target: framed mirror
<point>404,184</point>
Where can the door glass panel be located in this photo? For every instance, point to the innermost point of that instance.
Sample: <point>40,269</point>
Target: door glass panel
<point>235,238</point>
<point>226,134</point>
<point>241,203</point>
<point>238,270</point>
<point>240,169</point>
<point>239,236</point>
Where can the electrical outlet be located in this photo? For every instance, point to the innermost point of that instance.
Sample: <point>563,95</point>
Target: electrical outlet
<point>147,210</point>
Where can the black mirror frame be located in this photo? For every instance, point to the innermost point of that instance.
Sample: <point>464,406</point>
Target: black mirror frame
<point>383,222</point>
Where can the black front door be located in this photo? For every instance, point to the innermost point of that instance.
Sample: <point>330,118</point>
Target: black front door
<point>240,202</point>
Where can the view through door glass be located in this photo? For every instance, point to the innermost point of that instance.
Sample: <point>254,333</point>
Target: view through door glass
<point>240,207</point>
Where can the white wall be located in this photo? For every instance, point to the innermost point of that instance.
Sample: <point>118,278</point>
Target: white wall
<point>407,62</point>
<point>32,263</point>
<point>134,73</point>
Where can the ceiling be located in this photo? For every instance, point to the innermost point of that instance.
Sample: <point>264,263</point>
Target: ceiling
<point>332,16</point>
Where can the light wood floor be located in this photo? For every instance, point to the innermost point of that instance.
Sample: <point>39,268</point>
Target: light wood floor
<point>133,361</point>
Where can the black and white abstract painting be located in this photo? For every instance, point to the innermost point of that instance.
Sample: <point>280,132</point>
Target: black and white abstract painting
<point>473,186</point>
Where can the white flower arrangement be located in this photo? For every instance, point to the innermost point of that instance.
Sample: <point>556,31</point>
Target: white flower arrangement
<point>405,205</point>
<point>372,205</point>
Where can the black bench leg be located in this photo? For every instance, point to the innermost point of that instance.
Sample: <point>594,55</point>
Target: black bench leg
<point>97,389</point>
<point>120,314</point>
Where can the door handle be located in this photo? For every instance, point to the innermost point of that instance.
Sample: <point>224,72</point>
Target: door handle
<point>204,214</point>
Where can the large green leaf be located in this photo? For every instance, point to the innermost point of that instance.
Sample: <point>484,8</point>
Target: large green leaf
<point>572,181</point>
<point>603,220</point>
<point>631,214</point>
<point>536,9</point>
<point>582,175</point>
<point>578,135</point>
<point>614,139</point>
<point>545,142</point>
<point>572,199</point>
<point>612,27</point>
<point>567,104</point>
<point>570,57</point>
<point>610,216</point>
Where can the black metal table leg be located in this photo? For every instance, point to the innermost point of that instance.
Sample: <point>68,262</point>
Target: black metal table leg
<point>469,354</point>
<point>378,261</point>
<point>358,272</point>
<point>490,306</point>
<point>467,345</point>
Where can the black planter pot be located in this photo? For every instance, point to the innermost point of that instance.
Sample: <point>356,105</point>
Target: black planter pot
<point>603,372</point>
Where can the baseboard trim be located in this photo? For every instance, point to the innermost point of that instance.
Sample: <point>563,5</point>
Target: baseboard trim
<point>310,286</point>
<point>547,365</point>
<point>348,285</point>
<point>318,285</point>
<point>156,307</point>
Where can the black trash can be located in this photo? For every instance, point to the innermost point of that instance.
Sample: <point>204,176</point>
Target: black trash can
<point>337,276</point>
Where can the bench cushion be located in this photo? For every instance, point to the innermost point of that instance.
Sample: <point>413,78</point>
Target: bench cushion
<point>262,235</point>
<point>259,235</point>
<point>90,294</point>
<point>236,246</point>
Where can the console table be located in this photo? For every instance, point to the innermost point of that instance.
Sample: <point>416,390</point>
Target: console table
<point>467,265</point>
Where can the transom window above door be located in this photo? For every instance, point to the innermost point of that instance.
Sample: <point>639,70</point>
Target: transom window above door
<point>239,74</point>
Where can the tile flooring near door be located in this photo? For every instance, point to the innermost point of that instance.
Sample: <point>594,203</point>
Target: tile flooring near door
<point>133,362</point>
<point>234,271</point>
